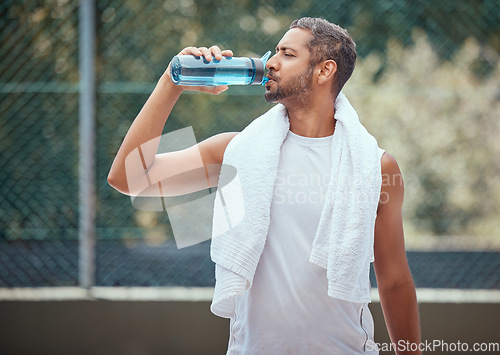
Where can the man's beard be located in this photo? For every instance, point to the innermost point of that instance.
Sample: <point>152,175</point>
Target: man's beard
<point>298,88</point>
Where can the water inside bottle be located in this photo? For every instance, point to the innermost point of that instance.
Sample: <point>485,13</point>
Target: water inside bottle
<point>210,75</point>
<point>227,71</point>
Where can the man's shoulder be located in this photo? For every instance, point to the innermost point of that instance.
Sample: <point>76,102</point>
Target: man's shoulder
<point>389,164</point>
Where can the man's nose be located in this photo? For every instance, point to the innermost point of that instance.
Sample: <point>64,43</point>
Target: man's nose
<point>272,63</point>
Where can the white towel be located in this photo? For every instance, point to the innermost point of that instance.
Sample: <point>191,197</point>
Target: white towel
<point>343,244</point>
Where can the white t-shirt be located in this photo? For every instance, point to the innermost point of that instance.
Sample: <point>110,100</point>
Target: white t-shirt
<point>287,310</point>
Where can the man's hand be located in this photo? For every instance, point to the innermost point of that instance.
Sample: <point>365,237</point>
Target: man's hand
<point>209,54</point>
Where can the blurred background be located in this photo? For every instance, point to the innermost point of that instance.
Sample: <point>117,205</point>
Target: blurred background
<point>426,85</point>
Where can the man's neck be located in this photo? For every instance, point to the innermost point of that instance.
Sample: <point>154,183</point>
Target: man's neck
<point>314,121</point>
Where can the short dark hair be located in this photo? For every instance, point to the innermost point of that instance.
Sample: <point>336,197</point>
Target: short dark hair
<point>330,41</point>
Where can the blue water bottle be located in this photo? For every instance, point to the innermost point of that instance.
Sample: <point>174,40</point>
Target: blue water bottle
<point>197,71</point>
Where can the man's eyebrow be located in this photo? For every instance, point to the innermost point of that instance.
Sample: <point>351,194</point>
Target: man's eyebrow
<point>284,48</point>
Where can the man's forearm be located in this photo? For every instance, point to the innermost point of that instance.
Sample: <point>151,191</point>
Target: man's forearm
<point>399,304</point>
<point>147,126</point>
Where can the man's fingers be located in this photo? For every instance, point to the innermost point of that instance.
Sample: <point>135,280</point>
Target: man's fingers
<point>208,53</point>
<point>227,53</point>
<point>220,88</point>
<point>216,90</point>
<point>216,52</point>
<point>191,50</point>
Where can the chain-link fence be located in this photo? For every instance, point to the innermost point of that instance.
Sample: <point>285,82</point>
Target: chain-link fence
<point>426,85</point>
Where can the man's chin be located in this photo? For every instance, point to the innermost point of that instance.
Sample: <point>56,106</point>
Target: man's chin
<point>271,97</point>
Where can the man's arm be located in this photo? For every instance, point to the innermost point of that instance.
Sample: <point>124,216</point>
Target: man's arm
<point>394,281</point>
<point>144,135</point>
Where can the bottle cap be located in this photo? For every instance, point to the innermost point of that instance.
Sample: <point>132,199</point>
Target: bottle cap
<point>260,64</point>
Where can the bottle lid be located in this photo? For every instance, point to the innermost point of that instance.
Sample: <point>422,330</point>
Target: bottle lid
<point>260,64</point>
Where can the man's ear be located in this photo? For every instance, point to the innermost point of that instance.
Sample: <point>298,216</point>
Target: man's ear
<point>327,71</point>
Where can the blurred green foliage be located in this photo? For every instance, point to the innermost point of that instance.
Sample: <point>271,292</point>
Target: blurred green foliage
<point>426,85</point>
<point>440,120</point>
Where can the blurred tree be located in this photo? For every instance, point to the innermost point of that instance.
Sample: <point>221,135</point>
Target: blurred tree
<point>434,104</point>
<point>440,120</point>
